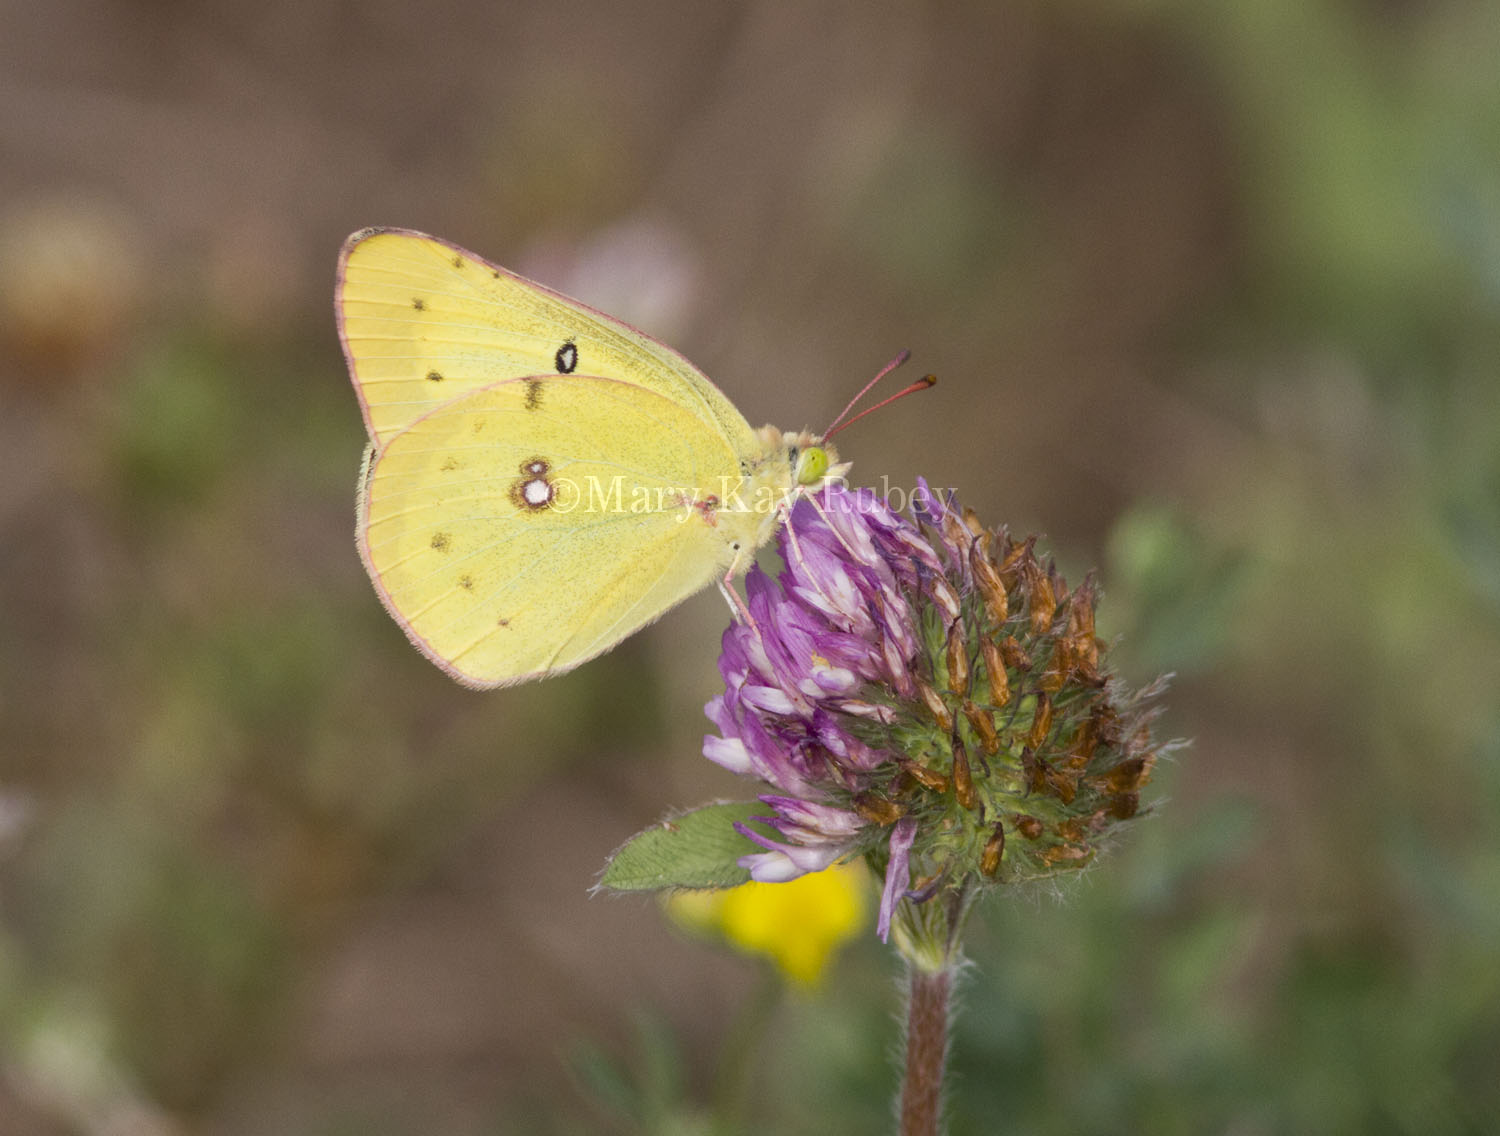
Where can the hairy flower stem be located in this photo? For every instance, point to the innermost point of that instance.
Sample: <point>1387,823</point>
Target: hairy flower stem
<point>926,1049</point>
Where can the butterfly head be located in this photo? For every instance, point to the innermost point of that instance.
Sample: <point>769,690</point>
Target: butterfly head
<point>814,462</point>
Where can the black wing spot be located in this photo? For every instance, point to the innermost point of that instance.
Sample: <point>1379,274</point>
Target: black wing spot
<point>458,262</point>
<point>466,582</point>
<point>434,377</point>
<point>441,541</point>
<point>419,303</point>
<point>567,358</point>
<point>533,394</point>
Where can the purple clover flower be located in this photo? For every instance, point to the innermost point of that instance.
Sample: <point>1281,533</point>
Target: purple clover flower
<point>891,649</point>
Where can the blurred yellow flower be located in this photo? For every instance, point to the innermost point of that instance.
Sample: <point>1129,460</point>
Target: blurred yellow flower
<point>797,925</point>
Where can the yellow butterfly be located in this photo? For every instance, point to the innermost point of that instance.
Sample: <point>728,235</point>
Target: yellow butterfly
<point>542,480</point>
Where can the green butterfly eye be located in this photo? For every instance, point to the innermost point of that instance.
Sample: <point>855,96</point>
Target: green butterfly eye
<point>812,464</point>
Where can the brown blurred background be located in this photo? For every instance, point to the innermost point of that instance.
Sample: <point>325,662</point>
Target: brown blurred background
<point>1213,292</point>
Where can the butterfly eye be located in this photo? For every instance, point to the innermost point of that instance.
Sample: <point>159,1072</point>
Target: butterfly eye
<point>811,464</point>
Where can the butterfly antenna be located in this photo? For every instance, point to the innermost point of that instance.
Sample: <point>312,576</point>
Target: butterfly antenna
<point>921,384</point>
<point>900,358</point>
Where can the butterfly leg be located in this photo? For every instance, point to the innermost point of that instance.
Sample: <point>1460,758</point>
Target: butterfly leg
<point>737,607</point>
<point>794,547</point>
<point>822,512</point>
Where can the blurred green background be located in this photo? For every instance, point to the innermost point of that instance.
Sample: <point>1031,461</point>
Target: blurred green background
<point>1213,292</point>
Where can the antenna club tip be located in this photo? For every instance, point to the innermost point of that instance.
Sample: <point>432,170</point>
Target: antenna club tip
<point>843,420</point>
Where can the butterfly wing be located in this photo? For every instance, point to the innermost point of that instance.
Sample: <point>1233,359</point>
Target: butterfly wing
<point>424,322</point>
<point>532,524</point>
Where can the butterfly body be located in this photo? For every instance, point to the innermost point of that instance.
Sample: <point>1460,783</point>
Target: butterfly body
<point>542,480</point>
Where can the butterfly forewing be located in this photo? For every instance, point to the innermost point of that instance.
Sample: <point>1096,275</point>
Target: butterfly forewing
<point>424,322</point>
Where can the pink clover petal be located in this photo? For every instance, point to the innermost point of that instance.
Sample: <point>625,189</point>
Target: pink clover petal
<point>897,873</point>
<point>769,699</point>
<point>770,867</point>
<point>831,680</point>
<point>730,753</point>
<point>819,822</point>
<point>719,712</point>
<point>886,715</point>
<point>781,865</point>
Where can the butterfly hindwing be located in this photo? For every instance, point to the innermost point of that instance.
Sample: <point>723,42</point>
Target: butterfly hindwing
<point>531,524</point>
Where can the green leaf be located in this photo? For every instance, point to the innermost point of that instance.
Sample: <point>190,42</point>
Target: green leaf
<point>697,849</point>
